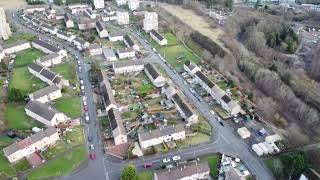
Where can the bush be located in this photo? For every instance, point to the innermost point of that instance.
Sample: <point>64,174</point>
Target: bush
<point>33,2</point>
<point>207,44</point>
<point>16,95</point>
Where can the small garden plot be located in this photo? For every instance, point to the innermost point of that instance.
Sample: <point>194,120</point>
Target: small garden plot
<point>198,138</point>
<point>22,166</point>
<point>214,161</point>
<point>67,70</point>
<point>145,175</point>
<point>6,170</point>
<point>71,105</point>
<point>220,111</point>
<point>21,36</point>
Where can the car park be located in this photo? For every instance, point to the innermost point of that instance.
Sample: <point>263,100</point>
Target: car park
<point>166,160</point>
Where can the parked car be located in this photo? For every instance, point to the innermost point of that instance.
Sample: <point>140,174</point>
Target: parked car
<point>90,138</point>
<point>166,160</point>
<point>91,147</point>
<point>85,108</point>
<point>176,158</point>
<point>147,165</point>
<point>92,156</point>
<point>221,123</point>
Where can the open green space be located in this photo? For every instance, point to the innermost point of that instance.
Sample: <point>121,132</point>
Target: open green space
<point>22,165</point>
<point>16,117</point>
<point>145,175</point>
<point>69,105</point>
<point>193,140</point>
<point>288,165</point>
<point>61,166</point>
<point>5,141</point>
<point>67,70</point>
<point>69,140</point>
<point>214,161</point>
<point>26,57</point>
<point>20,36</point>
<point>6,170</point>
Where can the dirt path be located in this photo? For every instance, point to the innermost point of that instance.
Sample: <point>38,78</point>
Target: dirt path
<point>12,4</point>
<point>195,21</point>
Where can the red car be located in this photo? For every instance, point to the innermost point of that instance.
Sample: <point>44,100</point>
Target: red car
<point>147,165</point>
<point>85,108</point>
<point>92,156</point>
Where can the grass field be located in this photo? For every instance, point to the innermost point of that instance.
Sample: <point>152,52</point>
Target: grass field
<point>22,166</point>
<point>214,161</point>
<point>6,170</point>
<point>145,175</point>
<point>67,70</point>
<point>20,36</point>
<point>69,105</point>
<point>5,141</point>
<point>193,140</point>
<point>16,117</point>
<point>62,166</point>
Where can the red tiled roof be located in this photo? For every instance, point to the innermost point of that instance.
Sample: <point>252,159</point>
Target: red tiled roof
<point>25,143</point>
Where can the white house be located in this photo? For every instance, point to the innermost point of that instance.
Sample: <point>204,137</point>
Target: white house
<point>128,66</point>
<point>76,8</point>
<point>150,21</point>
<point>65,36</point>
<point>190,171</point>
<point>90,14</point>
<point>158,38</point>
<point>35,142</point>
<point>95,49</point>
<point>133,4</point>
<point>115,36</point>
<point>122,18</point>
<point>126,53</point>
<point>48,48</point>
<point>109,54</point>
<point>118,131</point>
<point>80,43</point>
<point>46,94</point>
<point>108,17</point>
<point>191,68</point>
<point>121,2</point>
<point>68,21</point>
<point>44,113</point>
<point>163,134</point>
<point>155,77</point>
<point>130,42</point>
<point>101,29</point>
<point>217,93</point>
<point>85,23</point>
<point>16,47</point>
<point>184,109</point>
<point>98,4</point>
<point>50,60</point>
<point>35,8</point>
<point>49,29</point>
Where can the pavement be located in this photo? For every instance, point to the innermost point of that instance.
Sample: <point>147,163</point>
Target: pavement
<point>106,167</point>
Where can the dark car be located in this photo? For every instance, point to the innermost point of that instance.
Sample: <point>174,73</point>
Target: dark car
<point>221,123</point>
<point>90,138</point>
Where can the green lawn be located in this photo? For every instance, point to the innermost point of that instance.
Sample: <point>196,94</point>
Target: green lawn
<point>67,70</point>
<point>214,161</point>
<point>145,88</point>
<point>5,141</point>
<point>16,117</point>
<point>193,140</point>
<point>145,175</point>
<point>6,170</point>
<point>26,57</point>
<point>62,166</point>
<point>21,36</point>
<point>69,105</point>
<point>220,111</point>
<point>130,115</point>
<point>22,165</point>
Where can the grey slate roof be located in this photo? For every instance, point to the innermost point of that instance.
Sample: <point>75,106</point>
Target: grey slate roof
<point>115,34</point>
<point>116,120</point>
<point>120,64</point>
<point>168,130</point>
<point>67,17</point>
<point>49,57</point>
<point>205,79</point>
<point>46,45</point>
<point>156,34</point>
<point>36,67</point>
<point>48,74</point>
<point>182,172</point>
<point>45,91</point>
<point>48,26</point>
<point>94,46</point>
<point>108,52</point>
<point>183,106</point>
<point>100,26</point>
<point>57,80</point>
<point>128,39</point>
<point>41,109</point>
<point>14,44</point>
<point>152,71</point>
<point>107,93</point>
<point>124,50</point>
<point>33,138</point>
<point>226,98</point>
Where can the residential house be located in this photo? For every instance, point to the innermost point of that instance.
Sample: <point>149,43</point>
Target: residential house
<point>65,36</point>
<point>16,47</point>
<point>45,113</point>
<point>35,8</point>
<point>5,31</point>
<point>186,112</point>
<point>77,8</point>
<point>101,29</point>
<point>80,43</point>
<point>109,11</point>
<point>130,42</point>
<point>216,92</point>
<point>109,54</point>
<point>107,94</point>
<point>2,53</point>
<point>118,131</point>
<point>133,4</point>
<point>48,48</point>
<point>95,49</point>
<point>169,91</point>
<point>49,13</point>
<point>98,4</point>
<point>150,21</point>
<point>85,23</point>
<point>121,2</point>
<point>28,146</point>
<point>190,67</point>
<point>158,38</point>
<point>155,77</point>
<point>310,174</point>
<point>115,36</point>
<point>126,53</point>
<point>128,66</point>
<point>161,135</point>
<point>46,94</point>
<point>191,171</point>
<point>47,75</point>
<point>49,29</point>
<point>122,18</point>
<point>108,17</point>
<point>50,60</point>
<point>68,20</point>
<point>90,14</point>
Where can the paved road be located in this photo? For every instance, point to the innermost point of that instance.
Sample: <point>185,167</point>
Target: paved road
<point>106,167</point>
